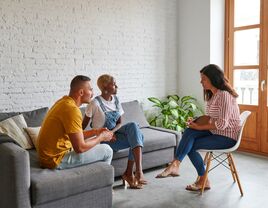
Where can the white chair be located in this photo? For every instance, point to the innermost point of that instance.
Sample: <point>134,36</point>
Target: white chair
<point>227,153</point>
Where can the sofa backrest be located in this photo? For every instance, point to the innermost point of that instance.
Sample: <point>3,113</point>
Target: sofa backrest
<point>33,118</point>
<point>132,113</point>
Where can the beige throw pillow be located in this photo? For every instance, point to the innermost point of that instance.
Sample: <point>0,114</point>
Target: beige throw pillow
<point>33,133</point>
<point>14,127</point>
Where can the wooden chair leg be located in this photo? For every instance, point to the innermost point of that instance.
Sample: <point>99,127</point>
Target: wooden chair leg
<point>197,179</point>
<point>236,175</point>
<point>206,173</point>
<point>205,162</point>
<point>231,166</point>
<point>205,158</point>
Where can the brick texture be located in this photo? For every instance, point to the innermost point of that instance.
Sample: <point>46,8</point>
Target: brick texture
<point>44,43</point>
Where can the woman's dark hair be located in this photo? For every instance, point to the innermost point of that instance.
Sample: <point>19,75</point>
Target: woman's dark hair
<point>217,79</point>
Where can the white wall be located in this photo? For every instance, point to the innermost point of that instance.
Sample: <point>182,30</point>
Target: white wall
<point>44,43</point>
<point>200,42</point>
<point>217,32</point>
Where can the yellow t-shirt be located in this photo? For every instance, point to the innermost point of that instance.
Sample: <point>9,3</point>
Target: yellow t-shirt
<point>53,141</point>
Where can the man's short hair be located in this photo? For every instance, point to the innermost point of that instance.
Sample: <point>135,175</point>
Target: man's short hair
<point>78,80</point>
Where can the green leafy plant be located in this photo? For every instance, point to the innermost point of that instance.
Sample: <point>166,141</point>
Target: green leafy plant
<point>174,111</point>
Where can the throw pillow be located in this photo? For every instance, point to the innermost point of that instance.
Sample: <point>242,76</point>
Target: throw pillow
<point>13,127</point>
<point>133,112</point>
<point>33,134</point>
<point>35,117</point>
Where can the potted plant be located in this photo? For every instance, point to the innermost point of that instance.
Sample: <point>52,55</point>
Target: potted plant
<point>174,111</point>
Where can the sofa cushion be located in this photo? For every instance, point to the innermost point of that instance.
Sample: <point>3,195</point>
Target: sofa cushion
<point>153,140</point>
<point>14,128</point>
<point>133,112</point>
<point>34,118</point>
<point>48,185</point>
<point>33,134</point>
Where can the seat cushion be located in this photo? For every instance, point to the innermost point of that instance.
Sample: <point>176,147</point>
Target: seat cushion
<point>48,185</point>
<point>153,140</point>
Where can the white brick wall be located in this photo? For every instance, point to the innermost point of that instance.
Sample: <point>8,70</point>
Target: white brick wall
<point>44,43</point>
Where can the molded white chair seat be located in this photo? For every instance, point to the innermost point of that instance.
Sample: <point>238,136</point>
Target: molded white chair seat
<point>211,155</point>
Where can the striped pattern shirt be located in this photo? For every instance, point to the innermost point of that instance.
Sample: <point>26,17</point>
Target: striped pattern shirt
<point>223,110</point>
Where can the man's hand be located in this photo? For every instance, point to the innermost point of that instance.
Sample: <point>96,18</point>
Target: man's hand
<point>106,136</point>
<point>100,130</point>
<point>113,139</point>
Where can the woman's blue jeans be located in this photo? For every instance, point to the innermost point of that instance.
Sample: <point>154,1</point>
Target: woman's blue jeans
<point>193,140</point>
<point>128,136</point>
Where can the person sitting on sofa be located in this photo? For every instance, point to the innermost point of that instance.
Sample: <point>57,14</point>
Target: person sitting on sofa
<point>61,141</point>
<point>106,111</point>
<point>219,129</point>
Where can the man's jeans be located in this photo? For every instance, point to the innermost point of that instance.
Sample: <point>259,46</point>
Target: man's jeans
<point>101,152</point>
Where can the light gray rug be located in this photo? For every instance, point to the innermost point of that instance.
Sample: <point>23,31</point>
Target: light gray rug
<point>170,192</point>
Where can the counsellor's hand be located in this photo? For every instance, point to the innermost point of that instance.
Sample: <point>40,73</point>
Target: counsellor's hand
<point>194,125</point>
<point>201,123</point>
<point>189,121</point>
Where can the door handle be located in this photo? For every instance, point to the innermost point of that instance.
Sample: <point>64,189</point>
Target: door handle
<point>262,85</point>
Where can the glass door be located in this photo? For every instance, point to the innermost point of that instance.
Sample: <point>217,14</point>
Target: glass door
<point>246,63</point>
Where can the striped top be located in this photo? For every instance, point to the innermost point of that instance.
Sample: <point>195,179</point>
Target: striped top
<point>223,110</point>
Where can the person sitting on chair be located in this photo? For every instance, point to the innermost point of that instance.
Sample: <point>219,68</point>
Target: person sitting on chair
<point>219,131</point>
<point>106,111</point>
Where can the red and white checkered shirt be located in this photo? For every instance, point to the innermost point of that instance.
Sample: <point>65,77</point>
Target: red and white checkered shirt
<point>223,110</point>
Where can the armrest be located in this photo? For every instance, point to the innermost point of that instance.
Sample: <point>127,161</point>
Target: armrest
<point>177,133</point>
<point>14,176</point>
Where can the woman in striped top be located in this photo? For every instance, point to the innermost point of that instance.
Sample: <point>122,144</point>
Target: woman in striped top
<point>219,131</point>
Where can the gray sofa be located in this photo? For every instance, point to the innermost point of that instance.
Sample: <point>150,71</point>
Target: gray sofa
<point>25,184</point>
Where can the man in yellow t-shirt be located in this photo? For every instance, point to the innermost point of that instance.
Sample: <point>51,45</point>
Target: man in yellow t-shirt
<point>62,142</point>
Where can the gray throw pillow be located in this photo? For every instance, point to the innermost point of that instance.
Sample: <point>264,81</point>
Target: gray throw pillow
<point>134,113</point>
<point>34,118</point>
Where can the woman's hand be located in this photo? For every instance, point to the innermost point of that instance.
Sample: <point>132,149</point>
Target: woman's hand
<point>194,125</point>
<point>189,121</point>
<point>201,123</point>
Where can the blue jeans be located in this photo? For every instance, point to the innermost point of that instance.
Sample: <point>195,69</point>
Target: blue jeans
<point>128,136</point>
<point>193,140</point>
<point>101,152</point>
